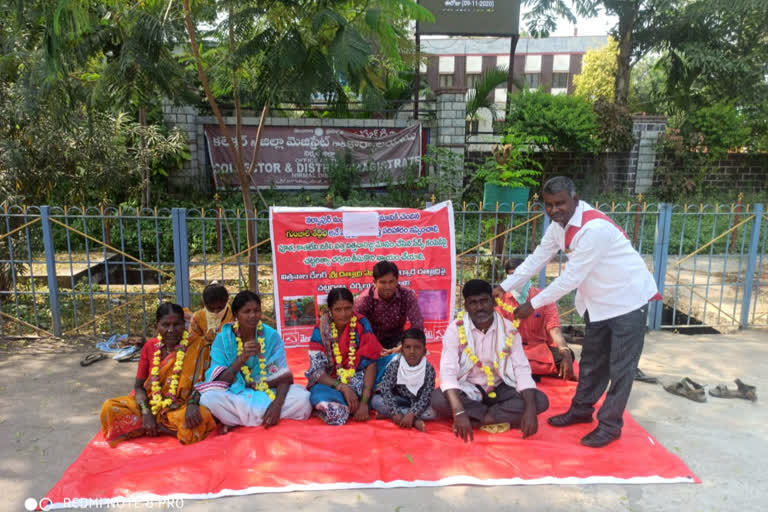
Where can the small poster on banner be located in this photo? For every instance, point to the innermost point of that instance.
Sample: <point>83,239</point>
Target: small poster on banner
<point>360,224</point>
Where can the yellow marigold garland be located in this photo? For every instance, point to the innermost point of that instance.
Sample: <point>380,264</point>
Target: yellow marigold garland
<point>345,373</point>
<point>476,361</point>
<point>509,308</point>
<point>160,400</point>
<point>245,370</point>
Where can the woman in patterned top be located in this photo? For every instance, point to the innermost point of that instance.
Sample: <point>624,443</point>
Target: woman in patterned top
<point>342,361</point>
<point>407,386</point>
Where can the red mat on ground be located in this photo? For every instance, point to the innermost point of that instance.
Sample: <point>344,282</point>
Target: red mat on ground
<point>310,455</point>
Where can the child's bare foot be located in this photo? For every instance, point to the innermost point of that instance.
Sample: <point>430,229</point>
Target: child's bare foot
<point>419,425</point>
<point>224,429</point>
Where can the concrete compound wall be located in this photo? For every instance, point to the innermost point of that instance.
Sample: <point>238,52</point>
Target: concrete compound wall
<point>630,172</point>
<point>194,174</point>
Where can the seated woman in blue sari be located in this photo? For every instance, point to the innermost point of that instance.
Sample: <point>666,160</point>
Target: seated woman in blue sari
<point>342,362</point>
<point>249,382</point>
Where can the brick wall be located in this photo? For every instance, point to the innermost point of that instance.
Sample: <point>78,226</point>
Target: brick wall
<point>739,172</point>
<point>593,174</point>
<point>191,175</point>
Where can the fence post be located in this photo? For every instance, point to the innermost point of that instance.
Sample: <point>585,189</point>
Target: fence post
<point>660,257</point>
<point>751,263</point>
<point>543,271</point>
<point>181,255</point>
<point>50,263</point>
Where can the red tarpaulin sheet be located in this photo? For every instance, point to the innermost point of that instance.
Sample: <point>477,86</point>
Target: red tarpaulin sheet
<point>310,455</point>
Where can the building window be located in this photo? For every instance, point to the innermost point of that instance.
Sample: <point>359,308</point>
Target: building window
<point>532,80</point>
<point>561,63</point>
<point>471,80</point>
<point>473,126</point>
<point>446,81</point>
<point>559,80</point>
<point>498,126</point>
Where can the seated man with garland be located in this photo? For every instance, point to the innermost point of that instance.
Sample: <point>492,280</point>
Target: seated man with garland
<point>485,378</point>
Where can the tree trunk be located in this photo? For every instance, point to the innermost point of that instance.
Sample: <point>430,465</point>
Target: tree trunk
<point>511,76</point>
<point>147,171</point>
<point>627,18</point>
<point>242,176</point>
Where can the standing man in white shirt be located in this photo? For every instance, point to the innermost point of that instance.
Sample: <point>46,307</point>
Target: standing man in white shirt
<point>613,287</point>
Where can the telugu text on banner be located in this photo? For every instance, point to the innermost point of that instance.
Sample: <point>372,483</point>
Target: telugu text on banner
<point>317,249</point>
<point>292,156</point>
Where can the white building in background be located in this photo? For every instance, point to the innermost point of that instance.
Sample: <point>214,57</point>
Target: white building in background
<point>550,63</point>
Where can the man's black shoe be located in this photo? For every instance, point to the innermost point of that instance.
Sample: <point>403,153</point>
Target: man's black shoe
<point>563,420</point>
<point>598,438</point>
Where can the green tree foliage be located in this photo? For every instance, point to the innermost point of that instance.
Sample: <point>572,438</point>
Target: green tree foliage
<point>541,18</point>
<point>692,150</point>
<point>296,51</point>
<point>598,73</point>
<point>647,92</point>
<point>634,17</point>
<point>568,123</point>
<point>715,129</point>
<point>92,158</point>
<point>615,126</point>
<point>717,49</point>
<point>70,72</point>
<point>717,52</point>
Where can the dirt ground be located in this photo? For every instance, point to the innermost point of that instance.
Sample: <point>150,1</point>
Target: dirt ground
<point>49,411</point>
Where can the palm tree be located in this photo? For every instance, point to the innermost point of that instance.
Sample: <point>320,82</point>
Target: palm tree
<point>482,95</point>
<point>291,51</point>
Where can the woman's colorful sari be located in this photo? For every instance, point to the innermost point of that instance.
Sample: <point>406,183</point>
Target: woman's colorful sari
<point>330,402</point>
<point>121,416</point>
<point>239,403</point>
<point>321,358</point>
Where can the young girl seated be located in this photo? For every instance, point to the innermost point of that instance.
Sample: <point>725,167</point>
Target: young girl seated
<point>207,322</point>
<point>407,385</point>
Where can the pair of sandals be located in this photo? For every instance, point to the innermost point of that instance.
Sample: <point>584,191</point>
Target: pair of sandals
<point>123,347</point>
<point>692,390</point>
<point>124,355</point>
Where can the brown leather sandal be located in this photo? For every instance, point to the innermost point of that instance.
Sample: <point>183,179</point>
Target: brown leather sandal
<point>744,391</point>
<point>687,389</point>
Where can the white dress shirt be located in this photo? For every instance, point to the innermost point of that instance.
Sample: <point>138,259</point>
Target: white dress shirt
<point>485,348</point>
<point>609,276</point>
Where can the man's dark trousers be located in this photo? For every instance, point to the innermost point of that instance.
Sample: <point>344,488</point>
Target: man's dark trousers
<point>611,352</point>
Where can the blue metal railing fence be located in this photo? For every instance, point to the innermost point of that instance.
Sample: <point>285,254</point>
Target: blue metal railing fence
<point>86,270</point>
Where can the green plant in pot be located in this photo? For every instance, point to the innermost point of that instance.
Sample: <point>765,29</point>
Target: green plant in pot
<point>511,172</point>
